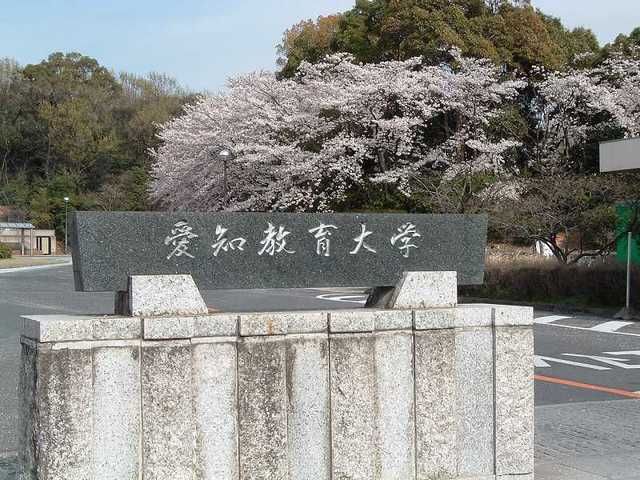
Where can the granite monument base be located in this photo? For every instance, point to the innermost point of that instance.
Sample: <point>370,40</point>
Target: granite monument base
<point>419,392</point>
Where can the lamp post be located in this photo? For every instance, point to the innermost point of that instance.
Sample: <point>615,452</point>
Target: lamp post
<point>224,154</point>
<point>66,211</point>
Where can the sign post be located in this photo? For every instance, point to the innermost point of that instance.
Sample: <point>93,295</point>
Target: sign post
<point>627,252</point>
<point>617,156</point>
<point>629,240</point>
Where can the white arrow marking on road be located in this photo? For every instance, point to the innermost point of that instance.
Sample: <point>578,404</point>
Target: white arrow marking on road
<point>614,362</point>
<point>541,362</point>
<point>613,326</point>
<point>343,298</point>
<point>549,319</point>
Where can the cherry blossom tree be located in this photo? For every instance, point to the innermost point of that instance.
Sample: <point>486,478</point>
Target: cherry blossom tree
<point>578,108</point>
<point>303,144</point>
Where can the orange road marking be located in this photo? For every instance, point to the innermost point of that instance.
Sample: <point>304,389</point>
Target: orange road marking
<point>587,386</point>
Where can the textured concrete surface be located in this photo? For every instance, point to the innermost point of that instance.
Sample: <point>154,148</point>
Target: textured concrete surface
<point>353,406</point>
<point>308,322</point>
<point>512,316</point>
<point>166,328</point>
<point>474,401</point>
<point>308,408</point>
<point>351,321</point>
<point>25,455</point>
<point>216,413</point>
<point>68,328</point>
<point>116,412</point>
<point>468,316</point>
<point>394,401</point>
<point>169,425</point>
<point>262,324</point>
<point>426,289</point>
<point>514,400</point>
<point>262,409</point>
<point>435,319</point>
<point>160,295</point>
<point>392,320</point>
<point>65,412</point>
<point>435,404</point>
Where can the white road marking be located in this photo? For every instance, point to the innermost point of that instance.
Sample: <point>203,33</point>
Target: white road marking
<point>631,353</point>
<point>614,362</point>
<point>542,362</point>
<point>343,298</point>
<point>613,326</point>
<point>549,319</point>
<point>590,330</point>
<point>35,267</point>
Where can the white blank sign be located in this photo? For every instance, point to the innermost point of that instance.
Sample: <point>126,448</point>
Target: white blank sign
<point>620,155</point>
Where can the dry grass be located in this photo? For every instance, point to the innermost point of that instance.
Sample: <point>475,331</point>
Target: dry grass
<point>542,280</point>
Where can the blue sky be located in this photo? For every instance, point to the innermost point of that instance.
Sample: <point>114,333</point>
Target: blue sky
<point>202,42</point>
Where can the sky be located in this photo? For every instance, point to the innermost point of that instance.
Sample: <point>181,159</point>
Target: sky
<point>203,42</point>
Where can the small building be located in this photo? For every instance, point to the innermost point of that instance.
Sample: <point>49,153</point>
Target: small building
<point>25,239</point>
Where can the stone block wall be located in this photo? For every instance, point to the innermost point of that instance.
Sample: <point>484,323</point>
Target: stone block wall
<point>344,395</point>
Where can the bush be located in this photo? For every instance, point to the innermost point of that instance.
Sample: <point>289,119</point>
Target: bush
<point>5,251</point>
<point>602,285</point>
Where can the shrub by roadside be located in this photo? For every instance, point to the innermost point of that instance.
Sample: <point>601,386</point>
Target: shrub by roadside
<point>602,285</point>
<point>5,251</point>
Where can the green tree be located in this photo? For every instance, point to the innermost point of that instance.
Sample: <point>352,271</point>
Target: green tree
<point>512,34</point>
<point>70,127</point>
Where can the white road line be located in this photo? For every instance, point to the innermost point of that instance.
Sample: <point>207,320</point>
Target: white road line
<point>35,267</point>
<point>541,362</point>
<point>589,330</point>
<point>612,326</point>
<point>549,319</point>
<point>615,362</point>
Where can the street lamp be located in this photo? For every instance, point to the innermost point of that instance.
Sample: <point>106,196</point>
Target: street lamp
<point>224,154</point>
<point>66,210</point>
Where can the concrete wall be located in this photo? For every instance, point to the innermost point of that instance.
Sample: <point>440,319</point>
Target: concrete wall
<point>347,395</point>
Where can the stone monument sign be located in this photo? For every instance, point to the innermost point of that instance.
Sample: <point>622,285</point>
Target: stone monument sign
<point>276,250</point>
<point>421,389</point>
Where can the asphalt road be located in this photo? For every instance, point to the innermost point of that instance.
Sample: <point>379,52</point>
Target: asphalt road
<point>587,362</point>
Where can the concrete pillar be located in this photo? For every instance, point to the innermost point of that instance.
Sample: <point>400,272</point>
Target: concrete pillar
<point>353,406</point>
<point>262,408</point>
<point>216,416</point>
<point>28,402</point>
<point>116,410</point>
<point>474,392</point>
<point>308,407</point>
<point>514,392</point>
<point>64,408</point>
<point>435,404</point>
<point>394,406</point>
<point>169,426</point>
